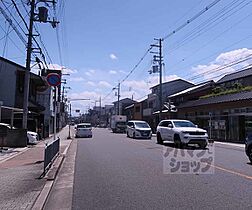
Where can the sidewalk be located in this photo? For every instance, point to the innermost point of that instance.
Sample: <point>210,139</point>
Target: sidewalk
<point>20,170</point>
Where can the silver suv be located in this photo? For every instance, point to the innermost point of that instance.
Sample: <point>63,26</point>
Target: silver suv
<point>181,132</point>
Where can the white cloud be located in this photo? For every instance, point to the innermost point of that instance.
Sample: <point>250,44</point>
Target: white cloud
<point>104,84</point>
<point>225,58</point>
<point>91,83</point>
<point>64,69</point>
<point>113,56</point>
<point>214,70</point>
<point>90,72</point>
<point>154,80</point>
<point>140,88</point>
<point>123,72</point>
<point>112,72</point>
<point>76,79</point>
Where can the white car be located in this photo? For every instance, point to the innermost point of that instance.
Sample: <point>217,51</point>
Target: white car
<point>83,130</point>
<point>32,137</point>
<point>138,129</point>
<point>181,132</point>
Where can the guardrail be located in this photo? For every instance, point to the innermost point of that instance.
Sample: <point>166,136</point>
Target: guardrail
<point>51,151</point>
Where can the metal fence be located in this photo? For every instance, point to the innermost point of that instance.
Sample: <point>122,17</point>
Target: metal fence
<point>51,151</point>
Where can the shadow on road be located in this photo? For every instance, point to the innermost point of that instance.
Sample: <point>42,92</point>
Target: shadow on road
<point>188,147</point>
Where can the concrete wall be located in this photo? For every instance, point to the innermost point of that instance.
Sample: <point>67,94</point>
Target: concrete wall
<point>14,138</point>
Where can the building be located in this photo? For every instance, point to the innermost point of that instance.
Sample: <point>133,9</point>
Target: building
<point>123,103</point>
<point>150,106</point>
<point>12,95</point>
<point>224,109</point>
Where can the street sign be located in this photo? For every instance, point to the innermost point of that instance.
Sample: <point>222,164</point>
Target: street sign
<point>53,79</point>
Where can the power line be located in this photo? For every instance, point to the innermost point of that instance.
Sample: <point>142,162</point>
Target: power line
<point>209,41</point>
<point>14,43</point>
<point>226,73</point>
<point>220,68</point>
<point>20,15</point>
<point>191,19</point>
<point>208,24</point>
<point>132,70</point>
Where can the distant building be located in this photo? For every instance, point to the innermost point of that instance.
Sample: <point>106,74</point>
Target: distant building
<point>122,104</point>
<point>150,107</point>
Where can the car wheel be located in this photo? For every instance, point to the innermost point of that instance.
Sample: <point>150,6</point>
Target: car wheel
<point>249,153</point>
<point>159,139</point>
<point>177,141</point>
<point>203,145</point>
<point>127,134</point>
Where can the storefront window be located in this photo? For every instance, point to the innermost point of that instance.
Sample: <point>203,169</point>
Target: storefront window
<point>248,125</point>
<point>233,128</point>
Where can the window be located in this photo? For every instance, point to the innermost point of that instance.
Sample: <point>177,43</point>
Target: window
<point>142,125</point>
<point>183,124</point>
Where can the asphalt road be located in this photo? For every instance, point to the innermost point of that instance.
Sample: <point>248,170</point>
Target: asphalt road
<point>116,172</point>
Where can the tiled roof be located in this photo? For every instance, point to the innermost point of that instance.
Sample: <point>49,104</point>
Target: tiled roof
<point>236,75</point>
<point>218,99</point>
<point>190,89</point>
<point>174,82</point>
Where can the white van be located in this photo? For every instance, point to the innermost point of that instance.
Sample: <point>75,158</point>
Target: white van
<point>138,129</point>
<point>83,130</point>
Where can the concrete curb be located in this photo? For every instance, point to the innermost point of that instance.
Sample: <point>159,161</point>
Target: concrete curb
<point>231,144</point>
<point>50,179</point>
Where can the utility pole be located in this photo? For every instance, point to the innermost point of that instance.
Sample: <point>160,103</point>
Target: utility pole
<point>41,17</point>
<point>27,67</point>
<point>158,69</point>
<point>100,112</point>
<point>118,99</point>
<point>70,121</point>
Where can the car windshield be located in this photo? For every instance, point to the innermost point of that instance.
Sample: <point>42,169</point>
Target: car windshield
<point>84,126</point>
<point>142,125</point>
<point>184,124</point>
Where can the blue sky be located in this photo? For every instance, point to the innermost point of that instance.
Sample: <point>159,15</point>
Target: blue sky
<point>101,41</point>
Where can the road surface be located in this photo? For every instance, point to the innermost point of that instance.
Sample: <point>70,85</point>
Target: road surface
<point>116,172</point>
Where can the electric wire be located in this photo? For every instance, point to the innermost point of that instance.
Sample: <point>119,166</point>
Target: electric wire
<point>209,42</point>
<point>191,19</point>
<point>206,26</point>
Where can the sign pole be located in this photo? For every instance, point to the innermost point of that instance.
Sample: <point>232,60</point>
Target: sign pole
<point>70,121</point>
<point>55,113</point>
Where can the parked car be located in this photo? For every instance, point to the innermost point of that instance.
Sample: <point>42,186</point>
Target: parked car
<point>248,146</point>
<point>181,132</point>
<point>32,137</point>
<point>138,129</point>
<point>83,130</point>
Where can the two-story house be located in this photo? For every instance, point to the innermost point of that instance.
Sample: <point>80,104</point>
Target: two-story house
<point>12,95</point>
